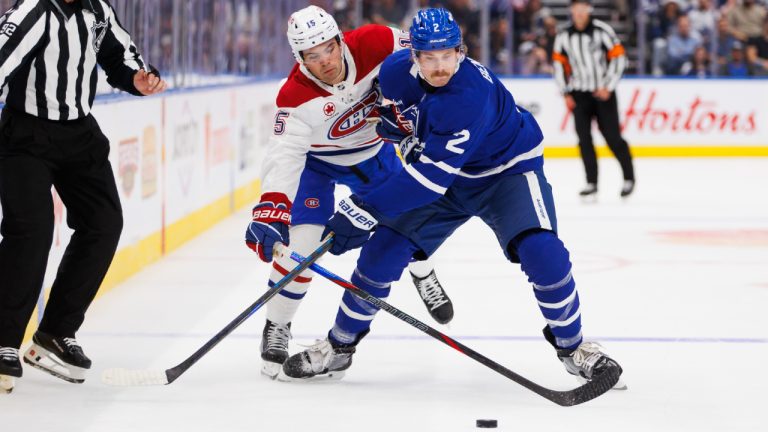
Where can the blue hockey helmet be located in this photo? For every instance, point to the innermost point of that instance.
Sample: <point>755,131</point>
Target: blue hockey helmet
<point>434,29</point>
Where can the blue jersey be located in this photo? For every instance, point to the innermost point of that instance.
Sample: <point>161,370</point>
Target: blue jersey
<point>471,129</point>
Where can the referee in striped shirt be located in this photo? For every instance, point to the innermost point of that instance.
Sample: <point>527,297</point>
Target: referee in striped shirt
<point>49,50</point>
<point>588,61</point>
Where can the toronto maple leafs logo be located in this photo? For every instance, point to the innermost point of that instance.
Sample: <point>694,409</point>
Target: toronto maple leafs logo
<point>98,31</point>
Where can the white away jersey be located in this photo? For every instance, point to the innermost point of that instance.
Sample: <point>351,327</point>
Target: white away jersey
<point>328,122</point>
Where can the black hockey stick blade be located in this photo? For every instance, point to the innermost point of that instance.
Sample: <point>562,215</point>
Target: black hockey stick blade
<point>592,389</point>
<point>148,377</point>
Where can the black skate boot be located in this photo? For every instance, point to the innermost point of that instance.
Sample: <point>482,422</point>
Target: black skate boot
<point>274,348</point>
<point>61,357</point>
<point>586,362</point>
<point>10,368</point>
<point>627,188</point>
<point>323,358</point>
<point>435,299</point>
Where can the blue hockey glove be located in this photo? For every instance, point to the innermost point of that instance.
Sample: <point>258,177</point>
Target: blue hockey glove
<point>393,125</point>
<point>351,224</point>
<point>271,218</point>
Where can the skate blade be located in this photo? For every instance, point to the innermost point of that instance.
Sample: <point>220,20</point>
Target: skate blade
<point>6,384</point>
<point>133,377</point>
<point>329,376</point>
<point>271,369</point>
<point>40,358</point>
<point>620,385</point>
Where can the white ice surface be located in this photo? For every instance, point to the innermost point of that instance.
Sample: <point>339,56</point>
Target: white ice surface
<point>674,282</point>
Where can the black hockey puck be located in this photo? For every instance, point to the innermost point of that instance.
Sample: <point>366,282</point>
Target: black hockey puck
<point>486,423</point>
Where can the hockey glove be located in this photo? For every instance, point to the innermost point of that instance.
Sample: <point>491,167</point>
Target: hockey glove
<point>393,126</point>
<point>410,149</point>
<point>352,225</point>
<point>271,218</point>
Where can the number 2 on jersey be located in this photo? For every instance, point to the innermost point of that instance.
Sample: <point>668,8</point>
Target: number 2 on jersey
<point>453,145</point>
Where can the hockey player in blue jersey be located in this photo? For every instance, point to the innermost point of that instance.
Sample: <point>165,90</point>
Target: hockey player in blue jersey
<point>473,152</point>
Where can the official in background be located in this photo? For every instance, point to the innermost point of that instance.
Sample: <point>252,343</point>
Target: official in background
<point>49,50</point>
<point>589,59</point>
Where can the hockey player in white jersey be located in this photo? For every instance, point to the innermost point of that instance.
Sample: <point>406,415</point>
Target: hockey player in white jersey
<point>321,137</point>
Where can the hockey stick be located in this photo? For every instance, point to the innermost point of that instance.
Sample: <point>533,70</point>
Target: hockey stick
<point>148,377</point>
<point>586,392</point>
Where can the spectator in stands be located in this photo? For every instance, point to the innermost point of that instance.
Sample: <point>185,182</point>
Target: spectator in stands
<point>724,42</point>
<point>660,26</point>
<point>344,12</point>
<point>528,17</point>
<point>619,10</point>
<point>468,18</point>
<point>521,21</point>
<point>701,65</point>
<point>670,12</point>
<point>681,46</point>
<point>703,20</point>
<point>726,6</point>
<point>535,14</point>
<point>536,54</point>
<point>757,52</point>
<point>737,66</point>
<point>746,19</point>
<point>499,54</point>
<point>389,12</point>
<point>549,33</point>
<point>535,60</point>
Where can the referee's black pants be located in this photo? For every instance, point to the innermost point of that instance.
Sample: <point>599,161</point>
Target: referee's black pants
<point>607,113</point>
<point>36,154</point>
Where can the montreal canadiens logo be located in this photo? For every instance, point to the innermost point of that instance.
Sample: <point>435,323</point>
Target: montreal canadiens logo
<point>329,109</point>
<point>354,118</point>
<point>312,203</point>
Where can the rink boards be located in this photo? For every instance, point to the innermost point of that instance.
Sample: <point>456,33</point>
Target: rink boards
<point>663,117</point>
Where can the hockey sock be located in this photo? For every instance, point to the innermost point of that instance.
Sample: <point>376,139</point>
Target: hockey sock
<point>421,269</point>
<point>355,314</point>
<point>381,261</point>
<point>545,261</point>
<point>282,308</point>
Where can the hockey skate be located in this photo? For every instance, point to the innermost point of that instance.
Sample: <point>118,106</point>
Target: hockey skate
<point>10,368</point>
<point>589,193</point>
<point>274,348</point>
<point>435,299</point>
<point>323,358</point>
<point>61,357</point>
<point>585,362</point>
<point>627,188</point>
